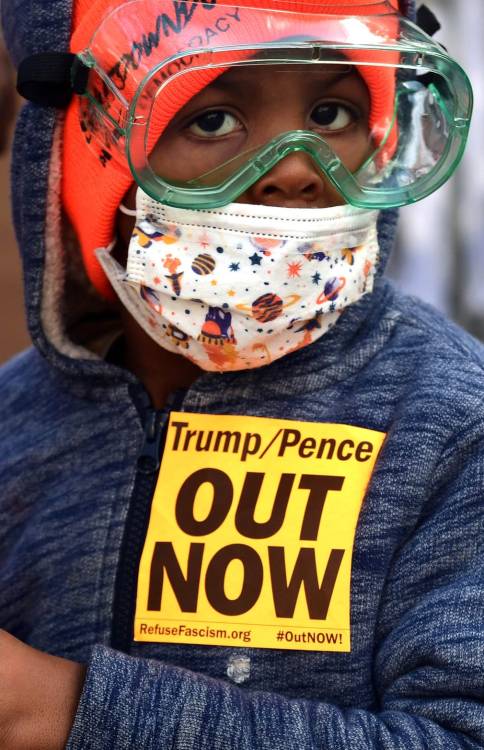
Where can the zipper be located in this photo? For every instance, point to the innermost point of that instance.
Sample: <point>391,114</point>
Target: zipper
<point>150,457</point>
<point>148,464</point>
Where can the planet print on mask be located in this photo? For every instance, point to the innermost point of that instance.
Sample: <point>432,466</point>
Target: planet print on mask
<point>203,264</point>
<point>266,244</point>
<point>151,298</point>
<point>268,307</point>
<point>332,289</point>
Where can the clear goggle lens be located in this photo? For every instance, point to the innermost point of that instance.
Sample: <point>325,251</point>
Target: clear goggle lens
<point>380,110</point>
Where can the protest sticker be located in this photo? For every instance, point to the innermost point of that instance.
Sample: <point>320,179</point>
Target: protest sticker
<point>251,533</point>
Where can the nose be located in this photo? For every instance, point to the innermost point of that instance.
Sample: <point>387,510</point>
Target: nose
<point>294,182</point>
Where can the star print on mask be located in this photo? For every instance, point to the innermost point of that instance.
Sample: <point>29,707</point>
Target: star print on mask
<point>255,260</point>
<point>294,270</point>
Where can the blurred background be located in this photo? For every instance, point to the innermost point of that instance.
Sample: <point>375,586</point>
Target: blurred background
<point>440,252</point>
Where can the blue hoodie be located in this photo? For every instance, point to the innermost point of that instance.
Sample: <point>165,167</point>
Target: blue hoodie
<point>79,461</point>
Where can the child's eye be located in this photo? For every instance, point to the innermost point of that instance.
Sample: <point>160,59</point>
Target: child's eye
<point>214,123</point>
<point>332,116</point>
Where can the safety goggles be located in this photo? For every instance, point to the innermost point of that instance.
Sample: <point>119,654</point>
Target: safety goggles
<point>205,99</point>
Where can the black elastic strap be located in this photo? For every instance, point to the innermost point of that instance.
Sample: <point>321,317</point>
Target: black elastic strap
<point>51,78</point>
<point>428,21</point>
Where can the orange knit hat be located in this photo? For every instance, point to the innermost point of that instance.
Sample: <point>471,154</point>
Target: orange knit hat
<point>92,192</point>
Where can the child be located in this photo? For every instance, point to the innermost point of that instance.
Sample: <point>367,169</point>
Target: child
<point>241,473</point>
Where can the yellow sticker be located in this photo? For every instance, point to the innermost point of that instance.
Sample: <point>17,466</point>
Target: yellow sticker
<point>251,533</point>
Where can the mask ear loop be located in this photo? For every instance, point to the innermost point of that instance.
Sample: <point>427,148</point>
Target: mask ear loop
<point>127,211</point>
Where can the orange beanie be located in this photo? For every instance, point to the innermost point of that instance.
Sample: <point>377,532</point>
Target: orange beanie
<point>92,192</point>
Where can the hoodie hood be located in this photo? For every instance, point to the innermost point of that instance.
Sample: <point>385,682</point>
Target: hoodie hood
<point>52,266</point>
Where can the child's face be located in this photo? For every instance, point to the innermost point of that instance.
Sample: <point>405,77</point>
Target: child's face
<point>247,107</point>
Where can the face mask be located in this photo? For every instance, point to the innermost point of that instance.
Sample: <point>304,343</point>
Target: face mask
<point>241,286</point>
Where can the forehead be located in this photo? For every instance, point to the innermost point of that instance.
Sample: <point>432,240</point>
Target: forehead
<point>259,77</point>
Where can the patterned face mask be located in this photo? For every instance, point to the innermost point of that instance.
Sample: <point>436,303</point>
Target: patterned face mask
<point>238,287</point>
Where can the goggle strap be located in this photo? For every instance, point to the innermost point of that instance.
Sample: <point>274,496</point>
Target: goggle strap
<point>428,21</point>
<point>51,78</point>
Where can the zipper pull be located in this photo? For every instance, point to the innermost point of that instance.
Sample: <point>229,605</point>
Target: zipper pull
<point>149,458</point>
